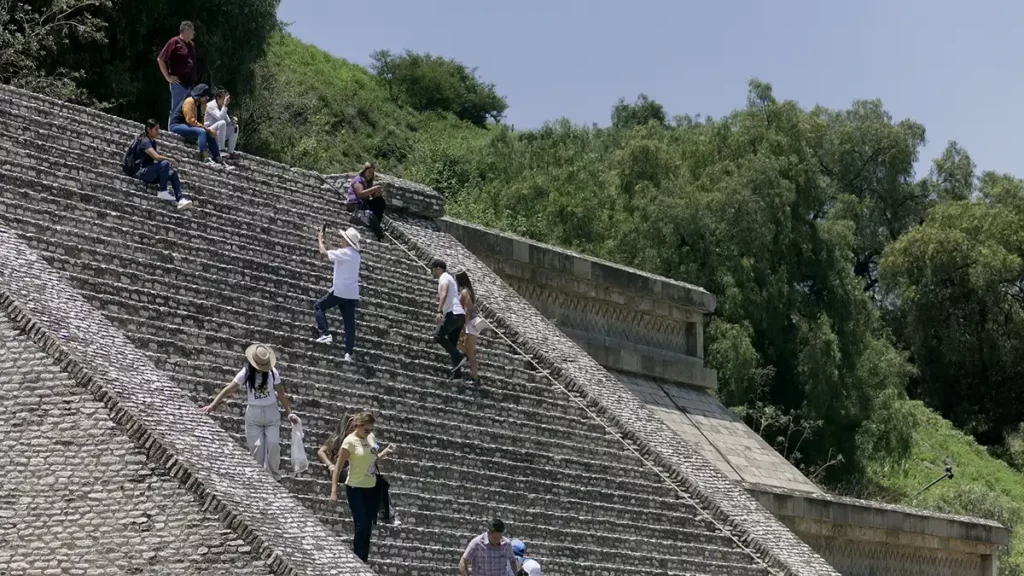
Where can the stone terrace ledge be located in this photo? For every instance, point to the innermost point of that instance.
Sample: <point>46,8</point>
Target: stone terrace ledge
<point>401,195</point>
<point>626,319</point>
<point>726,501</point>
<point>859,537</point>
<point>161,420</point>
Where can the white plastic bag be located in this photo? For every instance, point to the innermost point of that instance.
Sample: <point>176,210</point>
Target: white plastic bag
<point>299,461</point>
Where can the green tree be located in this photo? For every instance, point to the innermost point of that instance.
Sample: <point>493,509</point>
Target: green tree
<point>957,282</point>
<point>428,83</point>
<point>38,40</point>
<point>643,111</point>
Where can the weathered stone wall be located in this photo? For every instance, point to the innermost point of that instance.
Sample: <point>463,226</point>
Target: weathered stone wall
<point>601,305</point>
<point>565,361</point>
<point>158,417</point>
<point>79,497</point>
<point>861,538</point>
<point>625,319</point>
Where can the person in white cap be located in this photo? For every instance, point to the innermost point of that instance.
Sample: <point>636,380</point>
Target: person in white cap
<point>263,386</point>
<point>527,566</point>
<point>344,292</point>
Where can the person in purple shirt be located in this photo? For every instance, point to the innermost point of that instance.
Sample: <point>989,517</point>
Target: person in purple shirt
<point>363,194</point>
<point>489,554</point>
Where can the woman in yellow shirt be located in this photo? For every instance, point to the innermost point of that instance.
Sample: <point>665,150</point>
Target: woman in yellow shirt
<point>359,449</point>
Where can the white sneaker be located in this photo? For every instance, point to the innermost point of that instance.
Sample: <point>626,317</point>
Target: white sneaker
<point>209,162</point>
<point>184,204</point>
<point>165,195</point>
<point>227,167</point>
<point>348,357</point>
<point>325,339</point>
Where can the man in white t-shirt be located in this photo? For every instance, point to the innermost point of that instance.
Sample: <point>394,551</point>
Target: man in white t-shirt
<point>450,315</point>
<point>344,292</point>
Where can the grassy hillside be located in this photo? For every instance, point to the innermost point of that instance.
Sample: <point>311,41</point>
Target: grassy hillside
<point>722,203</point>
<point>982,486</point>
<point>316,111</point>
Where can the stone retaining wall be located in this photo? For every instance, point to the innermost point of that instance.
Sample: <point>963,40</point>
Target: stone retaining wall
<point>861,538</point>
<point>625,319</point>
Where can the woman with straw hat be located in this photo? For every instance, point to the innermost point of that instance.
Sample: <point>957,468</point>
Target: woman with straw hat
<point>263,386</point>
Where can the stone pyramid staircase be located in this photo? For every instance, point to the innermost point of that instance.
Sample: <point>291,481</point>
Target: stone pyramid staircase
<point>192,289</point>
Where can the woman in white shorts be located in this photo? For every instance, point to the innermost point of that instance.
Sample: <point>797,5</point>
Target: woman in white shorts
<point>474,324</point>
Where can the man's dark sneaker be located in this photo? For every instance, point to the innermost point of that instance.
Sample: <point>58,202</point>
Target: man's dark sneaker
<point>456,375</point>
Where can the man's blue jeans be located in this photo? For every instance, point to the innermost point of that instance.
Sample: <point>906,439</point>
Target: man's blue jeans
<point>178,93</point>
<point>162,173</point>
<point>200,134</point>
<point>348,314</point>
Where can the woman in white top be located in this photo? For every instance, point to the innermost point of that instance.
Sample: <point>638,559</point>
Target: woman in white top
<point>263,386</point>
<point>223,124</point>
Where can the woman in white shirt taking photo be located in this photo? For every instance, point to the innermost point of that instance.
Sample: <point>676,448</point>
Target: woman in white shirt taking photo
<point>263,387</point>
<point>225,125</point>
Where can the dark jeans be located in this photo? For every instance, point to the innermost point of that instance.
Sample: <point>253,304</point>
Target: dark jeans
<point>384,498</point>
<point>376,205</point>
<point>161,173</point>
<point>348,314</point>
<point>447,335</point>
<point>363,504</point>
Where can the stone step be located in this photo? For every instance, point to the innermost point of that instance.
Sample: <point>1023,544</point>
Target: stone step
<point>545,543</point>
<point>112,141</point>
<point>193,256</point>
<point>573,561</point>
<point>387,385</point>
<point>536,525</point>
<point>320,415</point>
<point>552,481</point>
<point>130,201</point>
<point>468,442</point>
<point>165,283</point>
<point>199,180</point>
<point>145,268</point>
<point>318,424</point>
<point>196,344</point>
<point>375,339</point>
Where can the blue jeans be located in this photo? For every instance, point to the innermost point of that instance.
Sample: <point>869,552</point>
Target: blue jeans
<point>363,503</point>
<point>162,173</point>
<point>200,135</point>
<point>348,314</point>
<point>178,93</point>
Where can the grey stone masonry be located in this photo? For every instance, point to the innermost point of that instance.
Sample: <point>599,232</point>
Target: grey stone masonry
<point>863,538</point>
<point>401,195</point>
<point>695,476</point>
<point>625,319</point>
<point>700,419</point>
<point>189,290</point>
<point>79,497</point>
<point>160,419</point>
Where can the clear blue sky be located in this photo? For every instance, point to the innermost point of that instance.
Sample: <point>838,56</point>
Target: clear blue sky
<point>955,66</point>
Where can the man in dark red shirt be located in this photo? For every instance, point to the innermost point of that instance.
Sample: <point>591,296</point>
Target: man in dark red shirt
<point>177,63</point>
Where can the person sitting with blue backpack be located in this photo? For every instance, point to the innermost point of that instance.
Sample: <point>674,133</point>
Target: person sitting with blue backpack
<point>143,161</point>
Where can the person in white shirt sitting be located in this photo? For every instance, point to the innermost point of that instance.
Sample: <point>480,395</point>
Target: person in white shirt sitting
<point>225,125</point>
<point>345,290</point>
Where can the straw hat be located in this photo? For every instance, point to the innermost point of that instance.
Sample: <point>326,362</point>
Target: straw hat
<point>261,357</point>
<point>351,236</point>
